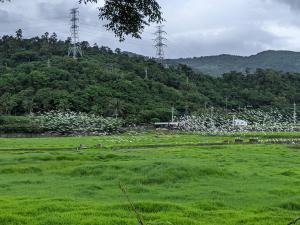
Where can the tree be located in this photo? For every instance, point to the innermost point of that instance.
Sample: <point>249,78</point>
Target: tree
<point>19,34</point>
<point>116,106</point>
<point>27,100</point>
<point>129,17</point>
<point>53,38</point>
<point>7,103</point>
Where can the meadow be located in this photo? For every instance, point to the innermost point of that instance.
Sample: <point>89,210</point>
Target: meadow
<point>230,184</point>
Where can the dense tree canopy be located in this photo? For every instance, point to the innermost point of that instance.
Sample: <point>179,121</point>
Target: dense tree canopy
<point>37,76</point>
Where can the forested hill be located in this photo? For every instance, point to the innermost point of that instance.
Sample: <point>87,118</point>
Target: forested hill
<point>37,76</point>
<point>286,61</point>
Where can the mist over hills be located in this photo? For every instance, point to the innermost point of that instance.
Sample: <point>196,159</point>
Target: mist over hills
<point>286,61</point>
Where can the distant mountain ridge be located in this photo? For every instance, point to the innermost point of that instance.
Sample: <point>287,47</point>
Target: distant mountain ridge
<point>287,61</point>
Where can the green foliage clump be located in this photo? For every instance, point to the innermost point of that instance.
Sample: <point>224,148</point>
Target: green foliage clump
<point>17,124</point>
<point>76,123</point>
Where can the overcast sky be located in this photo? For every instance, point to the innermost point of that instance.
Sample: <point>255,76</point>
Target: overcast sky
<point>194,27</point>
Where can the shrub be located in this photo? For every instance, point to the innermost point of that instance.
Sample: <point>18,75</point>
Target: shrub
<point>17,124</point>
<point>77,123</point>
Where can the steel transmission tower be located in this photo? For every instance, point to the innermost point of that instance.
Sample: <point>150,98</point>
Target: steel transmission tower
<point>159,43</point>
<point>75,49</point>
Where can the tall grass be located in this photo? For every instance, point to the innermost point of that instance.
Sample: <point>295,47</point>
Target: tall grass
<point>235,184</point>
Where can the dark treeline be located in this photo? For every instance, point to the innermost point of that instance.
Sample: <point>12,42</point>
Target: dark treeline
<point>37,76</point>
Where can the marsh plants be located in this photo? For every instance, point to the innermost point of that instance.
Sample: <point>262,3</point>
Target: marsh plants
<point>76,123</point>
<point>79,123</point>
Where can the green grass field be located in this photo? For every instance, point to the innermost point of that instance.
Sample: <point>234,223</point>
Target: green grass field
<point>232,184</point>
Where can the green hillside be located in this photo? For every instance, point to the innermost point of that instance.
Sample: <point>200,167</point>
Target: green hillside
<point>37,76</point>
<point>286,61</point>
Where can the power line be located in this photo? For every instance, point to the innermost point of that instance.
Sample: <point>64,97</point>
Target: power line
<point>75,48</point>
<point>295,114</point>
<point>159,43</point>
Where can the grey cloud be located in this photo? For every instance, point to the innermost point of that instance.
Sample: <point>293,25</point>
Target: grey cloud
<point>195,27</point>
<point>245,41</point>
<point>53,11</point>
<point>4,15</point>
<point>294,4</point>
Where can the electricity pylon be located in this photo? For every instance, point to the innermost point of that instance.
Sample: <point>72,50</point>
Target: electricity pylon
<point>75,49</point>
<point>159,43</point>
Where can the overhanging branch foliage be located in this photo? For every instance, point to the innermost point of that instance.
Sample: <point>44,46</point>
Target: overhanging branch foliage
<point>128,17</point>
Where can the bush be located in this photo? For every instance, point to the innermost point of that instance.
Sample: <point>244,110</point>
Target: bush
<point>77,123</point>
<point>8,120</point>
<point>155,120</point>
<point>17,124</point>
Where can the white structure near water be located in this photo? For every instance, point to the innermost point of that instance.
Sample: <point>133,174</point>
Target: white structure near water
<point>239,123</point>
